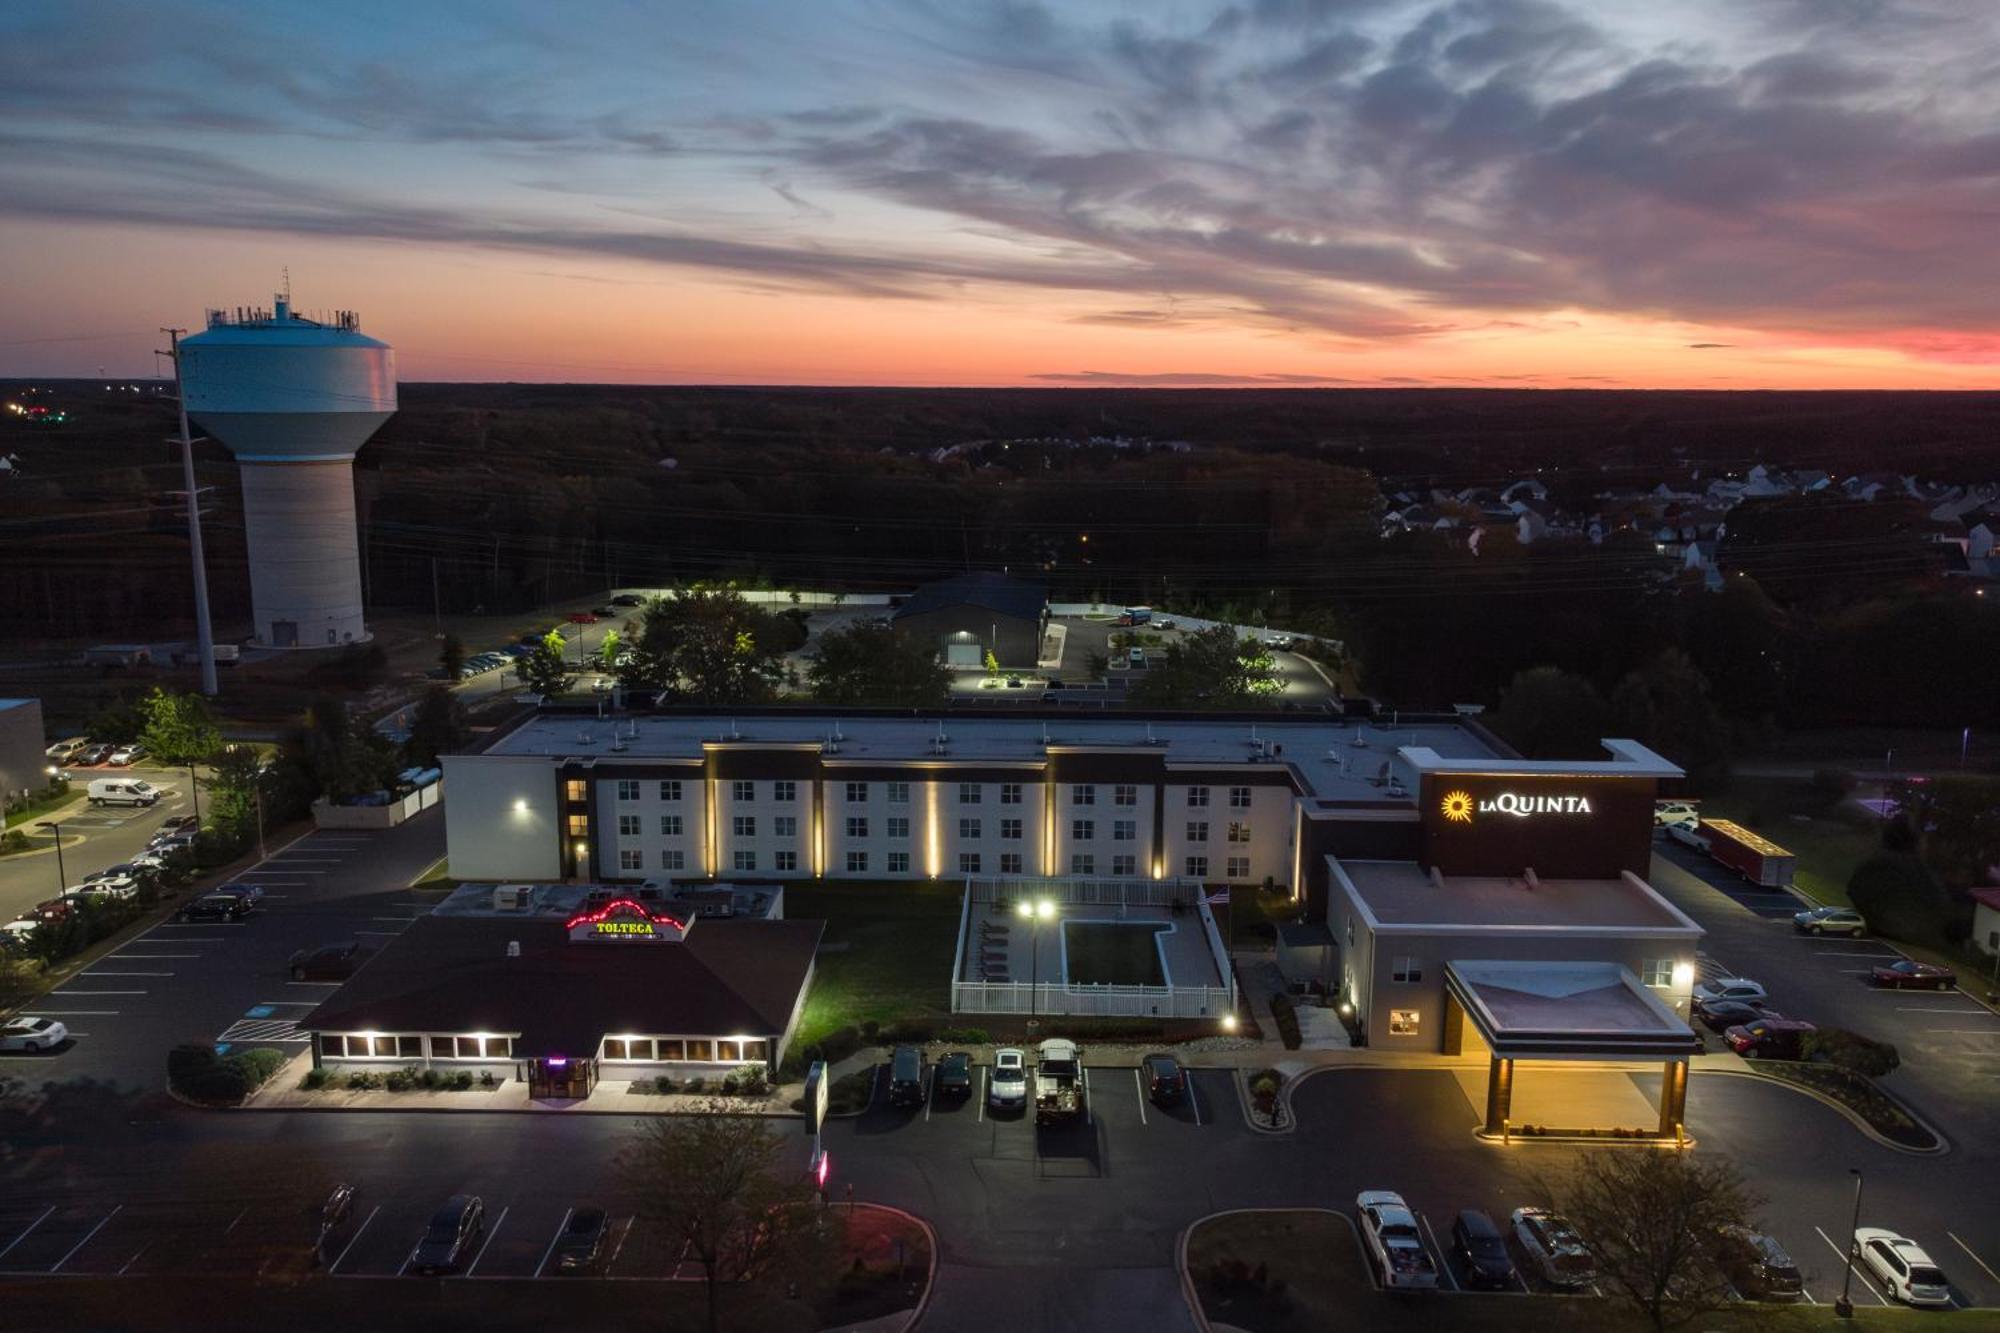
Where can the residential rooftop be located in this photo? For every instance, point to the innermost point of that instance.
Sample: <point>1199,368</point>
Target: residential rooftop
<point>1400,893</point>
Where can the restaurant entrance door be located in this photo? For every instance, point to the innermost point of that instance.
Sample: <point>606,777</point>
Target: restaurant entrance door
<point>560,1076</point>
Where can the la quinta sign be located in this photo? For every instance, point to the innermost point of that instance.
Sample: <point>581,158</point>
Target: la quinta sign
<point>625,919</point>
<point>1458,807</point>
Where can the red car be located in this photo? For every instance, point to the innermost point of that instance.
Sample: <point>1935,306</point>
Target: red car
<point>1769,1038</point>
<point>582,618</point>
<point>1910,972</point>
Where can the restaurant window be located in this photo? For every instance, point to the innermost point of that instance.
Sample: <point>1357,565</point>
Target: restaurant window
<point>1010,829</point>
<point>1197,833</point>
<point>899,826</point>
<point>784,791</point>
<point>968,863</point>
<point>628,1048</point>
<point>1010,863</point>
<point>1405,968</point>
<point>727,1050</point>
<point>857,863</point>
<point>785,826</point>
<point>899,793</point>
<point>968,793</point>
<point>1082,830</point>
<point>858,792</point>
<point>1124,830</point>
<point>1239,798</point>
<point>576,789</point>
<point>1198,796</point>
<point>1082,793</point>
<point>786,861</point>
<point>670,790</point>
<point>1239,830</point>
<point>410,1048</point>
<point>476,1048</point>
<point>968,828</point>
<point>899,863</point>
<point>743,791</point>
<point>699,1048</point>
<point>857,826</point>
<point>1010,793</point>
<point>670,826</point>
<point>628,789</point>
<point>756,1049</point>
<point>630,858</point>
<point>1197,867</point>
<point>1082,863</point>
<point>1403,1022</point>
<point>745,826</point>
<point>579,826</point>
<point>667,1048</point>
<point>673,859</point>
<point>628,826</point>
<point>1125,865</point>
<point>1125,794</point>
<point>1238,868</point>
<point>744,860</point>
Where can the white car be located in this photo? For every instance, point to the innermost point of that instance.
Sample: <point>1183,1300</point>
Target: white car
<point>1008,1087</point>
<point>1730,988</point>
<point>126,755</point>
<point>1901,1265</point>
<point>32,1035</point>
<point>1554,1248</point>
<point>1389,1230</point>
<point>1675,814</point>
<point>1688,835</point>
<point>17,931</point>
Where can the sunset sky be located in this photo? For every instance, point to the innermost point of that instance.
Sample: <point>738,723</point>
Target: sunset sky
<point>1723,193</point>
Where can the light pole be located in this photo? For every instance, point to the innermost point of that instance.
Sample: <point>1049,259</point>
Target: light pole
<point>1034,914</point>
<point>55,826</point>
<point>195,792</point>
<point>1845,1307</point>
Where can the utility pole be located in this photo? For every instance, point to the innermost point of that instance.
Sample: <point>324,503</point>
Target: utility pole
<point>437,613</point>
<point>204,635</point>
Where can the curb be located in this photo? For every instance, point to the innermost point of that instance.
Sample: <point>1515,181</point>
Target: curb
<point>930,1278</point>
<point>1188,1292</point>
<point>1283,1102</point>
<point>1854,1117</point>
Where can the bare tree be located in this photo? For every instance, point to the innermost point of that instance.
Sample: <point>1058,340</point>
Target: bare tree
<point>727,1187</point>
<point>1650,1217</point>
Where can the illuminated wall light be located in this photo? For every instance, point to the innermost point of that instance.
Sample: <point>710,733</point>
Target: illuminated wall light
<point>934,850</point>
<point>819,838</point>
<point>710,821</point>
<point>1683,976</point>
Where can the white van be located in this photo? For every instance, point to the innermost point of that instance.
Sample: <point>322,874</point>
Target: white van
<point>122,791</point>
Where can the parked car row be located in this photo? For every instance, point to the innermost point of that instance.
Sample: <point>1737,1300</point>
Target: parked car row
<point>1162,1076</point>
<point>82,752</point>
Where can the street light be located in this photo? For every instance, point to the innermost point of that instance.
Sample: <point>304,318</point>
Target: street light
<point>55,826</point>
<point>1845,1307</point>
<point>195,791</point>
<point>1034,914</point>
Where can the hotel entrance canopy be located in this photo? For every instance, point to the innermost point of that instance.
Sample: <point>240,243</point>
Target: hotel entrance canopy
<point>1566,1011</point>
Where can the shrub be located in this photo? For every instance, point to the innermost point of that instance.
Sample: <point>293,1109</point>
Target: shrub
<point>363,1080</point>
<point>1900,897</point>
<point>485,1079</point>
<point>664,1083</point>
<point>316,1079</point>
<point>1286,1015</point>
<point>752,1081</point>
<point>1851,1051</point>
<point>462,1080</point>
<point>970,1036</point>
<point>258,1064</point>
<point>430,1078</point>
<point>400,1080</point>
<point>729,1085</point>
<point>695,1084</point>
<point>836,1045</point>
<point>14,841</point>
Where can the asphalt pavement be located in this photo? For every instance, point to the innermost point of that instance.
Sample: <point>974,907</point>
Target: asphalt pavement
<point>93,837</point>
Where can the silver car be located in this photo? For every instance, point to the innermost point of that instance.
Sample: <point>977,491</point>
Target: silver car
<point>1008,1088</point>
<point>32,1035</point>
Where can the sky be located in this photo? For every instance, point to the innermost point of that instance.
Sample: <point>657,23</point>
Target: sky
<point>1501,193</point>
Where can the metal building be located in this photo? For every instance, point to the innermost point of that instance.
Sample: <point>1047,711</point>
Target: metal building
<point>293,399</point>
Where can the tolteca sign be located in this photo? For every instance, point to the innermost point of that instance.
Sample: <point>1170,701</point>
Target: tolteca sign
<point>624,919</point>
<point>1460,806</point>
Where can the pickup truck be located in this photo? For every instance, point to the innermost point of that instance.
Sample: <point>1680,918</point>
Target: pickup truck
<point>1389,1229</point>
<point>1058,1081</point>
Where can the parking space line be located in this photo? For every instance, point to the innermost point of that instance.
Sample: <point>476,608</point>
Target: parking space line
<point>135,1258</point>
<point>147,957</point>
<point>79,1013</point>
<point>1860,1269</point>
<point>24,1235</point>
<point>355,1237</point>
<point>1912,1009</point>
<point>235,1220</point>
<point>1444,1260</point>
<point>1088,1100</point>
<point>1140,1088</point>
<point>67,992</point>
<point>1194,1100</point>
<point>498,1223</point>
<point>57,1266</point>
<point>1975,1258</point>
<point>567,1214</point>
<point>390,933</point>
<point>982,1095</point>
<point>619,1248</point>
<point>124,974</point>
<point>928,1071</point>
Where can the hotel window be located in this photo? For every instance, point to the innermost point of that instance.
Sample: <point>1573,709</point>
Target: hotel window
<point>857,863</point>
<point>667,1048</point>
<point>673,859</point>
<point>628,1048</point>
<point>968,828</point>
<point>1125,865</point>
<point>628,789</point>
<point>699,1048</point>
<point>670,790</point>
<point>1405,968</point>
<point>1124,830</point>
<point>899,826</point>
<point>1125,794</point>
<point>670,826</point>
<point>1010,829</point>
<point>1010,863</point>
<point>857,826</point>
<point>1082,863</point>
<point>968,863</point>
<point>1658,972</point>
<point>785,826</point>
<point>1239,830</point>
<point>1010,793</point>
<point>968,793</point>
<point>576,789</point>
<point>1239,798</point>
<point>745,826</point>
<point>1197,867</point>
<point>628,826</point>
<point>899,863</point>
<point>579,826</point>
<point>787,861</point>
<point>899,793</point>
<point>1197,833</point>
<point>744,860</point>
<point>1198,796</point>
<point>743,791</point>
<point>1082,830</point>
<point>858,792</point>
<point>1082,793</point>
<point>784,791</point>
<point>1402,1022</point>
<point>630,858</point>
<point>1237,867</point>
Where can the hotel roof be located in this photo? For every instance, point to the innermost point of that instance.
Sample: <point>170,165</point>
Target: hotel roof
<point>1333,757</point>
<point>1400,894</point>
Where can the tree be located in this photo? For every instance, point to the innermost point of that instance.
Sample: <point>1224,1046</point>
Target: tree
<point>1650,1219</point>
<point>607,652</point>
<point>1900,897</point>
<point>436,727</point>
<point>723,1186</point>
<point>334,758</point>
<point>545,669</point>
<point>870,663</point>
<point>179,728</point>
<point>234,788</point>
<point>20,981</point>
<point>451,656</point>
<point>1956,819</point>
<point>1547,713</point>
<point>707,646</point>
<point>992,667</point>
<point>1665,706</point>
<point>1209,668</point>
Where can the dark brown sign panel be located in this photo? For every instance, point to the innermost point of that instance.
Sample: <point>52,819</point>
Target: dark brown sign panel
<point>1564,827</point>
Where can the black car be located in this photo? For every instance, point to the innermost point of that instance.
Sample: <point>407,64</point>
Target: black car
<point>581,1241</point>
<point>906,1077</point>
<point>329,962</point>
<point>608,612</point>
<point>628,599</point>
<point>954,1075</point>
<point>1164,1078</point>
<point>1482,1249</point>
<point>1718,1016</point>
<point>448,1240</point>
<point>216,907</point>
<point>1757,1266</point>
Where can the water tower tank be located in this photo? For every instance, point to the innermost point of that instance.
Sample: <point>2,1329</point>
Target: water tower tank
<point>293,399</point>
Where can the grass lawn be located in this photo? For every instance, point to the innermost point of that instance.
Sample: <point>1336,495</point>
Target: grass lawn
<point>886,954</point>
<point>1829,843</point>
<point>1107,954</point>
<point>40,808</point>
<point>436,879</point>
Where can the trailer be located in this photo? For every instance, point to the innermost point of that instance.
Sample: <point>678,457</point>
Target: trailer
<point>1058,1081</point>
<point>1750,855</point>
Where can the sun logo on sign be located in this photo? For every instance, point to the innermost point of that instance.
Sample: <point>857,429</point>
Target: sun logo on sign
<point>1457,807</point>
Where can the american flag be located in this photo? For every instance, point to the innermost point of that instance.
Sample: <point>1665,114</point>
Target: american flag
<point>1219,899</point>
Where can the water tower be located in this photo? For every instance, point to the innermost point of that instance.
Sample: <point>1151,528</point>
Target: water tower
<point>293,399</point>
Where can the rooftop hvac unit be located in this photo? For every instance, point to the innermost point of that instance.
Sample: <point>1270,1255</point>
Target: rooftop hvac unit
<point>510,897</point>
<point>513,948</point>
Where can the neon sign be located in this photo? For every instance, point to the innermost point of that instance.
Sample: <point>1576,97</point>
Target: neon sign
<point>625,919</point>
<point>1458,806</point>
